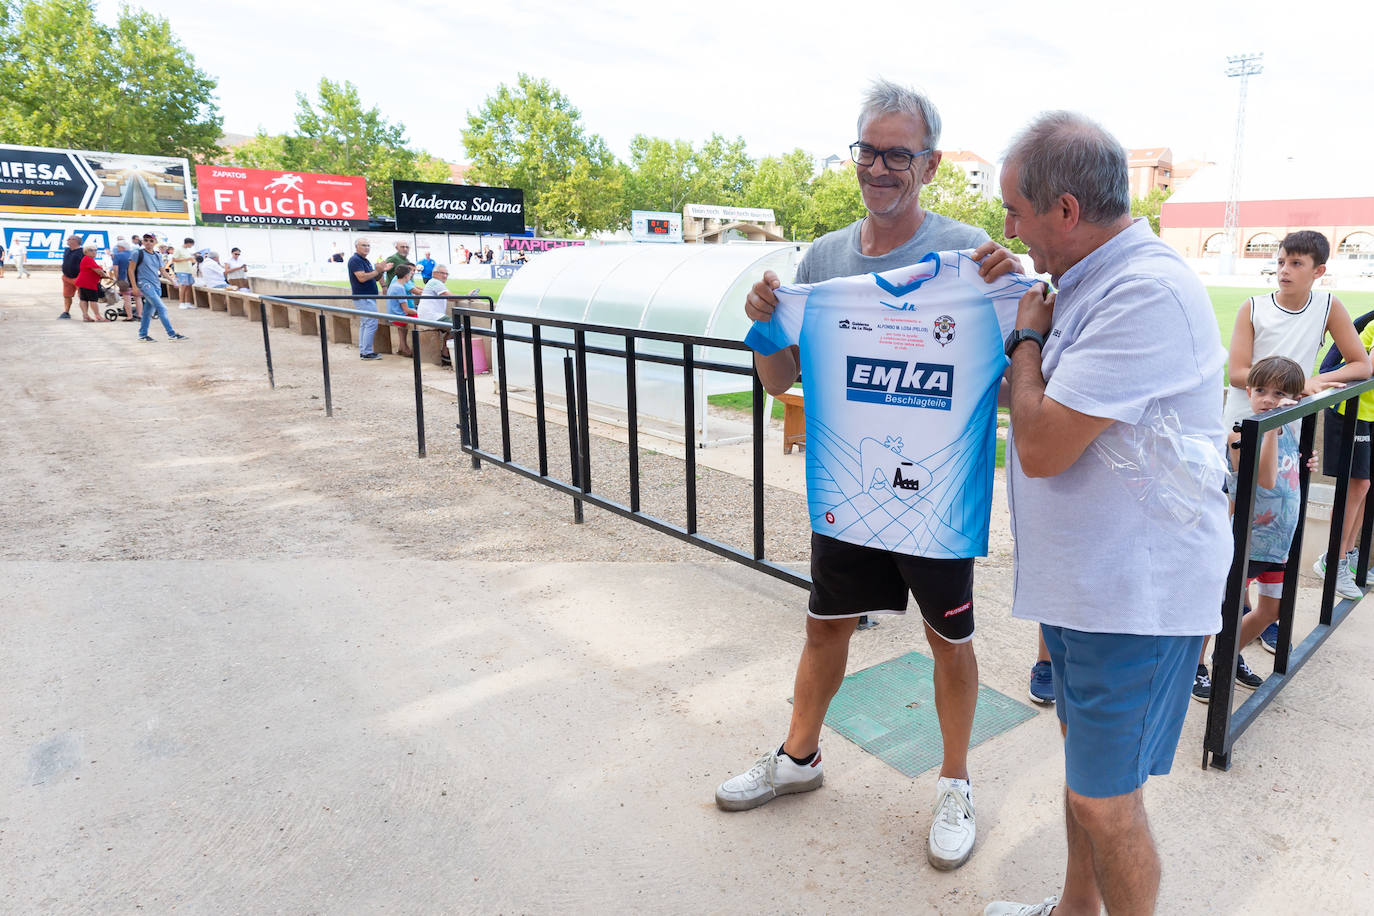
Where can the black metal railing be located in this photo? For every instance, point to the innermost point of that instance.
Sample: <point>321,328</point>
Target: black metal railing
<point>575,383</point>
<point>575,351</point>
<point>312,303</point>
<point>1224,725</point>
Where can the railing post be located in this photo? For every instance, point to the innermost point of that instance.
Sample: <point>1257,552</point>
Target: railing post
<point>541,430</point>
<point>324,364</point>
<point>266,343</point>
<point>1224,649</point>
<point>759,422</point>
<point>689,425</point>
<point>632,416</point>
<point>584,414</point>
<point>472,388</point>
<point>570,395</point>
<point>419,388</point>
<point>501,387</point>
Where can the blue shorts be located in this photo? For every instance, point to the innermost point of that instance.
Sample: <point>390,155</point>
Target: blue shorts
<point>1122,699</point>
<point>185,279</point>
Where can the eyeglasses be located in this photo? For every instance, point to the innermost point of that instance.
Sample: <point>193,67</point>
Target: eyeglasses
<point>894,160</point>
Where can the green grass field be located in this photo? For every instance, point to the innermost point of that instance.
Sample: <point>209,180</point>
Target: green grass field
<point>1226,301</point>
<point>492,288</point>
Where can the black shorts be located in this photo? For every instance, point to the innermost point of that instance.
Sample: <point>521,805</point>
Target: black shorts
<point>1332,423</point>
<point>848,580</point>
<point>89,295</point>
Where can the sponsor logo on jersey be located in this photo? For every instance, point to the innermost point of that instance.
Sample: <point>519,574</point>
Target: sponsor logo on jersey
<point>900,383</point>
<point>849,325</point>
<point>899,306</point>
<point>944,330</point>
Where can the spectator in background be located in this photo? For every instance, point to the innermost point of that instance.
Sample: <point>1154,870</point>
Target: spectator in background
<point>401,285</point>
<point>127,290</point>
<point>432,306</point>
<point>88,276</point>
<point>21,261</point>
<point>184,267</point>
<point>236,269</point>
<point>212,271</point>
<point>467,255</point>
<point>71,266</point>
<point>362,278</point>
<point>2,261</point>
<point>426,267</point>
<point>147,270</point>
<point>487,255</point>
<point>392,261</point>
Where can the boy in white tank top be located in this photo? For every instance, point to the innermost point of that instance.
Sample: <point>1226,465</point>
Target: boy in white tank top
<point>1293,322</point>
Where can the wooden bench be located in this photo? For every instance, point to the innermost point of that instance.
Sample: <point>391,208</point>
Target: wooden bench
<point>215,298</point>
<point>200,295</point>
<point>793,420</point>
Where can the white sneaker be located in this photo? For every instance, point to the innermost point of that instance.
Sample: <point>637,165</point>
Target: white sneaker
<point>186,305</point>
<point>772,775</point>
<point>1345,583</point>
<point>953,830</point>
<point>1007,908</point>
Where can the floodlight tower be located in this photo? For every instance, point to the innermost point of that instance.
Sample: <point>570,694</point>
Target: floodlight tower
<point>1243,66</point>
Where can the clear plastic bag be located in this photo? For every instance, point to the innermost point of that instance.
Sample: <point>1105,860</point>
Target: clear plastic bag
<point>1175,475</point>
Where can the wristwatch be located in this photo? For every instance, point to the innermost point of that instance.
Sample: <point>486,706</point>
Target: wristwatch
<point>1017,336</point>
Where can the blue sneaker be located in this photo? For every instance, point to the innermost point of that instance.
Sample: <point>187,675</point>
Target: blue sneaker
<point>1042,684</point>
<point>1270,638</point>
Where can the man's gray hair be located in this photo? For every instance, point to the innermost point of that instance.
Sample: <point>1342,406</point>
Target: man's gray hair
<point>121,245</point>
<point>1062,152</point>
<point>886,97</point>
<point>213,255</point>
<point>440,267</point>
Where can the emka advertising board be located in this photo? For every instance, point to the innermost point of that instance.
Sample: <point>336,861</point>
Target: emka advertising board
<point>428,206</point>
<point>67,184</point>
<point>264,197</point>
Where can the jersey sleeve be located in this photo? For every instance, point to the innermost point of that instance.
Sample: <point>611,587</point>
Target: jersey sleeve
<point>784,329</point>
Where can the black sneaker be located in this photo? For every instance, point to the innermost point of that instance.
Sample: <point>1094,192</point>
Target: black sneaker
<point>147,338</point>
<point>1202,685</point>
<point>178,337</point>
<point>370,356</point>
<point>1244,676</point>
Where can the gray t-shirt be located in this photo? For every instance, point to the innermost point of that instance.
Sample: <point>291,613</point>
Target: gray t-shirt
<point>1129,539</point>
<point>838,254</point>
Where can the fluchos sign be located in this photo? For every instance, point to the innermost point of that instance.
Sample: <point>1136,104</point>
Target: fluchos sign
<point>263,197</point>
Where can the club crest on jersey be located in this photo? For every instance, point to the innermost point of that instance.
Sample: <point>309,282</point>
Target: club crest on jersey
<point>897,382</point>
<point>944,330</point>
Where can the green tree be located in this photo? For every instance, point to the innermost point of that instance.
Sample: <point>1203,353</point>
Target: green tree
<point>531,137</point>
<point>1150,205</point>
<point>836,201</point>
<point>68,80</point>
<point>950,194</point>
<point>661,174</point>
<point>782,183</point>
<point>336,134</point>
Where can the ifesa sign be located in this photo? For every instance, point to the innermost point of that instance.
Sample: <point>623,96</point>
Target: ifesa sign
<point>69,184</point>
<point>264,197</point>
<point>429,206</point>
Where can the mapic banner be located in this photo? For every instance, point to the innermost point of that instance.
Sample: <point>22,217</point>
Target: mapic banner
<point>427,206</point>
<point>263,197</point>
<point>540,244</point>
<point>66,184</point>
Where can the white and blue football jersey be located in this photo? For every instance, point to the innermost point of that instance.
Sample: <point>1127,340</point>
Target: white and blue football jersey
<point>900,371</point>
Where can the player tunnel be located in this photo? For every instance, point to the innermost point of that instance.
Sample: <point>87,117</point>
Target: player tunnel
<point>682,289</point>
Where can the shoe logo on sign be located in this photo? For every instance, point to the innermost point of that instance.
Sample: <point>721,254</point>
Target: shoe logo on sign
<point>284,183</point>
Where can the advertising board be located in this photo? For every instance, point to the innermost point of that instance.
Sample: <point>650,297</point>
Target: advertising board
<point>81,185</point>
<point>266,197</point>
<point>431,206</point>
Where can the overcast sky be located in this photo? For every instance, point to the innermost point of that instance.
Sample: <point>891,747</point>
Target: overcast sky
<point>790,74</point>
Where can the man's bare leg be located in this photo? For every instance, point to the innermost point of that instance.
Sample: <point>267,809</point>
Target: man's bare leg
<point>956,698</point>
<point>819,673</point>
<point>1112,857</point>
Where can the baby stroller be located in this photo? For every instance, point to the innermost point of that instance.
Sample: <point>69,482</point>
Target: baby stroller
<point>113,310</point>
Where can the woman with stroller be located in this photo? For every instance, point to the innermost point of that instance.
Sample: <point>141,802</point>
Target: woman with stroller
<point>87,283</point>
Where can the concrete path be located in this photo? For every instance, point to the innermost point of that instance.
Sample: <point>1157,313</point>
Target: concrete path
<point>279,709</point>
